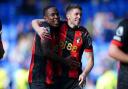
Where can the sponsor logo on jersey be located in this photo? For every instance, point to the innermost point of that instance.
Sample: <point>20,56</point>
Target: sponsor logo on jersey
<point>78,40</point>
<point>67,45</point>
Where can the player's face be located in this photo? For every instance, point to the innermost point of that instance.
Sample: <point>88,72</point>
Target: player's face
<point>74,16</point>
<point>52,17</point>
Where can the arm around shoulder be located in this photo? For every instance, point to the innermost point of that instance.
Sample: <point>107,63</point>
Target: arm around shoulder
<point>37,28</point>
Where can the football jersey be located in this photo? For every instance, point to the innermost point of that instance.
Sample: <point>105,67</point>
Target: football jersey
<point>121,40</point>
<point>73,42</point>
<point>41,68</point>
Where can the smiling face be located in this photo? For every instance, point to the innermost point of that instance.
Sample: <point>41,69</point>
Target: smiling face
<point>52,16</point>
<point>74,17</point>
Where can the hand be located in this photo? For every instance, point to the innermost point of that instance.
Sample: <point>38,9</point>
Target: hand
<point>82,80</point>
<point>72,63</point>
<point>43,33</point>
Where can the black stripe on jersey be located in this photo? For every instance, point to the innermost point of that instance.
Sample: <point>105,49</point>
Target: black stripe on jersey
<point>65,53</point>
<point>39,68</point>
<point>69,39</point>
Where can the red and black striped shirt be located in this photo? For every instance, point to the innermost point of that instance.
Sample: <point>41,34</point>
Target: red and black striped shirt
<point>73,42</point>
<point>42,68</point>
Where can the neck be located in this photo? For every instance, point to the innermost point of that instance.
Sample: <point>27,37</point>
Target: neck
<point>71,25</point>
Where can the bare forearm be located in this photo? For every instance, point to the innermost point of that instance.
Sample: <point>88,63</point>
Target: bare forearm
<point>36,24</point>
<point>118,54</point>
<point>90,63</point>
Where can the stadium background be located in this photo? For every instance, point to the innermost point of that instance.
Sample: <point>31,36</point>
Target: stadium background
<point>100,17</point>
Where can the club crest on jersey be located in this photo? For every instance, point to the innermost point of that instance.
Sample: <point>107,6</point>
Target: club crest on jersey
<point>78,40</point>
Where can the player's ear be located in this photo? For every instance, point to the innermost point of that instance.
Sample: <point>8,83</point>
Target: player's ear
<point>67,15</point>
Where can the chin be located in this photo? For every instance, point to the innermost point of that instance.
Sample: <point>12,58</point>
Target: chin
<point>56,25</point>
<point>76,24</point>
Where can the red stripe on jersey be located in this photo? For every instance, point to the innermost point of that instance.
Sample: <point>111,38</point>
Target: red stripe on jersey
<point>77,43</point>
<point>32,63</point>
<point>88,50</point>
<point>73,73</point>
<point>49,65</point>
<point>49,72</point>
<point>117,43</point>
<point>62,38</point>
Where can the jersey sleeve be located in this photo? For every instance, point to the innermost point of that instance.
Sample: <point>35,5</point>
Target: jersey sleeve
<point>120,36</point>
<point>87,42</point>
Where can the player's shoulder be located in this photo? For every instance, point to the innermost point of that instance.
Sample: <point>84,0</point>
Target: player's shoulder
<point>124,23</point>
<point>62,22</point>
<point>83,29</point>
<point>44,24</point>
<point>123,26</point>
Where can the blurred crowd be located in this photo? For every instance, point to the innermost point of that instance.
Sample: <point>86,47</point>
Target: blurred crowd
<point>100,17</point>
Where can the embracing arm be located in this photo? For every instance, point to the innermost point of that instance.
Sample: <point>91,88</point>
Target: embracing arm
<point>116,53</point>
<point>45,42</point>
<point>36,26</point>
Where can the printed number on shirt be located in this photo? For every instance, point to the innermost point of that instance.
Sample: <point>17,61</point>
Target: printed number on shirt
<point>119,33</point>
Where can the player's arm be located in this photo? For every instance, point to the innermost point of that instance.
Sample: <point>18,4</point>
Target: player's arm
<point>119,40</point>
<point>87,69</point>
<point>116,53</point>
<point>88,48</point>
<point>41,31</point>
<point>90,63</point>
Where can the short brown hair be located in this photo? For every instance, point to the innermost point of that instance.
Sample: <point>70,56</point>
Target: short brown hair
<point>73,6</point>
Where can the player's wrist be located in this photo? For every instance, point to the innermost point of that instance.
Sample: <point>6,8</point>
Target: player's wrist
<point>84,74</point>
